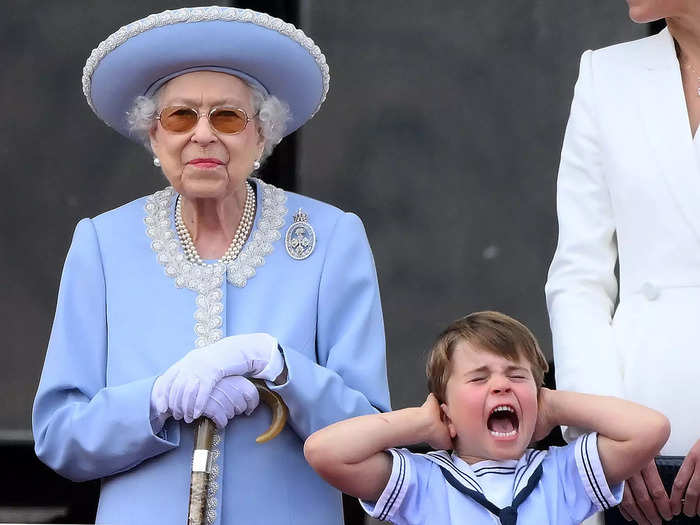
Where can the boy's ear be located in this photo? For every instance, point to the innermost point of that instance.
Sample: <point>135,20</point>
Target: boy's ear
<point>446,418</point>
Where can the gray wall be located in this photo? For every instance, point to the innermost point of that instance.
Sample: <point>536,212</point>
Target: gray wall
<point>59,164</point>
<point>442,131</point>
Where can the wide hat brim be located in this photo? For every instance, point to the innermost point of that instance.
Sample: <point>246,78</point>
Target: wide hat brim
<point>139,56</point>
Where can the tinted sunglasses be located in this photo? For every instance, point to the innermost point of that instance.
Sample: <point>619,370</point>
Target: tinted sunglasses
<point>228,120</point>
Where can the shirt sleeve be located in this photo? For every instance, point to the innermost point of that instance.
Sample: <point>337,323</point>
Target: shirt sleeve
<point>348,377</point>
<point>83,428</point>
<point>581,286</point>
<point>403,500</point>
<point>582,483</point>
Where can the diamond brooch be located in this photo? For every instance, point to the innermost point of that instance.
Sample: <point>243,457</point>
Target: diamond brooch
<point>300,240</point>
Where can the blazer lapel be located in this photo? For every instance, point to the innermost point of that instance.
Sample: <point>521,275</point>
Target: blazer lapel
<point>666,123</point>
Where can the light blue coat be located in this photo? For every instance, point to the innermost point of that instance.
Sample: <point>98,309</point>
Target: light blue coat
<point>129,307</point>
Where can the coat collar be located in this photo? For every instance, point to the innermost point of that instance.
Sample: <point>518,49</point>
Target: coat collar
<point>665,117</point>
<point>468,477</point>
<point>658,51</point>
<point>160,227</point>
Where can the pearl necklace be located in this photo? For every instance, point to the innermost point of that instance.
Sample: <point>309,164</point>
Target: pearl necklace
<point>239,237</point>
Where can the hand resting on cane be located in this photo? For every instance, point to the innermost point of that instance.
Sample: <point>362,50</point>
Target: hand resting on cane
<point>231,397</point>
<point>185,388</point>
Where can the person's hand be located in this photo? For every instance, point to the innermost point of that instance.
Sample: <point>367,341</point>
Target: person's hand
<point>645,500</point>
<point>185,387</point>
<point>232,396</point>
<point>438,434</point>
<point>545,419</point>
<point>686,486</point>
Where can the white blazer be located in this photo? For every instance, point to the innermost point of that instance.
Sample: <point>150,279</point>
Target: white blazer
<point>629,191</point>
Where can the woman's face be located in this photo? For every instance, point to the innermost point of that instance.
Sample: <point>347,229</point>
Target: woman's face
<point>643,11</point>
<point>201,162</point>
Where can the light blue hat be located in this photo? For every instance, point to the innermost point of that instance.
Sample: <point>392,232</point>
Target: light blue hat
<point>266,51</point>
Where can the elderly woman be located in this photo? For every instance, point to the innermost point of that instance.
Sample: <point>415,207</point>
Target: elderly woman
<point>629,191</point>
<point>168,305</point>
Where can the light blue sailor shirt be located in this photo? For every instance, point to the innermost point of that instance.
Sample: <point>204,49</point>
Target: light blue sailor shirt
<point>568,485</point>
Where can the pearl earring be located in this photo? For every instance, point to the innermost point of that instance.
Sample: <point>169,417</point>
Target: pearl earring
<point>256,165</point>
<point>156,162</point>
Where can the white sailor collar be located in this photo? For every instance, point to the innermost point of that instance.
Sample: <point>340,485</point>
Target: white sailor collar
<point>468,477</point>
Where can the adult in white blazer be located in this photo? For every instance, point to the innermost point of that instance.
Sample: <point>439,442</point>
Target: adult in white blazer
<point>629,191</point>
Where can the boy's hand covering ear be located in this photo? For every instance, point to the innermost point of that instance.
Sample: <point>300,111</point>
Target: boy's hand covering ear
<point>545,419</point>
<point>438,434</point>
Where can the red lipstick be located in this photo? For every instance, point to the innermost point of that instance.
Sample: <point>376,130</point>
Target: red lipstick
<point>206,163</point>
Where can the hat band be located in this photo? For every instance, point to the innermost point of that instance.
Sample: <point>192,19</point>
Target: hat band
<point>240,74</point>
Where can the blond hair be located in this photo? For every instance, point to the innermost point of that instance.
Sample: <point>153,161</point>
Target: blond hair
<point>490,331</point>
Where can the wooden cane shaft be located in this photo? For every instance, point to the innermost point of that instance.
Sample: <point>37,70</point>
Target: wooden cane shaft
<point>201,462</point>
<point>203,437</point>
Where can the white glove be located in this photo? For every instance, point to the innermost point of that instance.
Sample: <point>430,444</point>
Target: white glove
<point>185,387</point>
<point>232,396</point>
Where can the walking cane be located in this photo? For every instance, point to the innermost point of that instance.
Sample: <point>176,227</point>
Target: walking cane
<point>201,458</point>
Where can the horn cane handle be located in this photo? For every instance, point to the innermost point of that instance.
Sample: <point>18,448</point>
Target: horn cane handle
<point>279,409</point>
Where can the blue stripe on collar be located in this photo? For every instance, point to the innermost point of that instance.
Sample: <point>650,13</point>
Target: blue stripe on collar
<point>443,459</point>
<point>506,515</point>
<point>528,463</point>
<point>493,470</point>
<point>467,477</point>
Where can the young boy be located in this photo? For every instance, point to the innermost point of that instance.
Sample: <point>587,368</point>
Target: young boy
<point>486,405</point>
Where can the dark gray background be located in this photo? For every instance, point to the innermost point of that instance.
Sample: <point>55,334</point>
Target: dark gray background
<point>442,130</point>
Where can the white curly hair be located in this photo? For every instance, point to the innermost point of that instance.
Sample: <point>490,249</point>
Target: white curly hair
<point>271,113</point>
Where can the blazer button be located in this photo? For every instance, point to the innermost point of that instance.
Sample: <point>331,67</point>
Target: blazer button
<point>650,291</point>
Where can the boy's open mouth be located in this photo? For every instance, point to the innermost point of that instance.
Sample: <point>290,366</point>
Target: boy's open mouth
<point>503,421</point>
